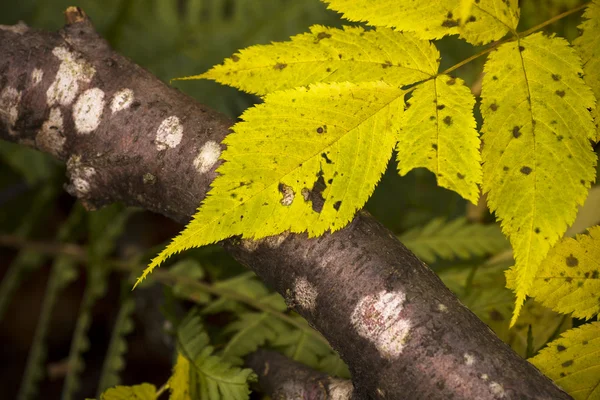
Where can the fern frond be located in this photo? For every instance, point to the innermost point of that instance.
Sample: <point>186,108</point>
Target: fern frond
<point>453,239</point>
<point>215,378</point>
<point>572,361</point>
<point>333,365</point>
<point>114,360</point>
<point>246,284</point>
<point>302,345</point>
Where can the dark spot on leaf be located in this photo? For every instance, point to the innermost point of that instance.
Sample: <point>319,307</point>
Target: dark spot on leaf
<point>560,93</point>
<point>431,118</point>
<point>579,284</point>
<point>460,176</point>
<point>449,15</point>
<point>330,181</point>
<point>586,275</point>
<point>450,23</point>
<point>386,64</point>
<point>448,120</point>
<point>451,81</point>
<point>315,195</point>
<point>471,19</point>
<point>235,58</point>
<point>526,170</point>
<point>233,195</point>
<point>572,261</point>
<point>516,132</point>
<point>434,146</point>
<point>327,160</point>
<point>567,363</point>
<point>584,342</point>
<point>562,374</point>
<point>441,107</point>
<point>537,230</point>
<point>556,77</point>
<point>279,66</point>
<point>582,182</point>
<point>595,274</point>
<point>494,78</point>
<point>320,129</point>
<point>337,205</point>
<point>340,56</point>
<point>568,279</point>
<point>521,48</point>
<point>559,138</point>
<point>322,35</point>
<point>505,168</point>
<point>494,107</point>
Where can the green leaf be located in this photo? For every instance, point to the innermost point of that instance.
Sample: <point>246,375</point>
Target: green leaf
<point>114,361</point>
<point>328,55</point>
<point>438,133</point>
<point>538,160</point>
<point>191,270</point>
<point>588,48</point>
<point>572,362</point>
<point>305,160</point>
<point>215,379</point>
<point>145,391</point>
<point>251,331</point>
<point>489,20</point>
<point>246,284</point>
<point>569,278</point>
<point>303,345</point>
<point>333,365</point>
<point>454,239</point>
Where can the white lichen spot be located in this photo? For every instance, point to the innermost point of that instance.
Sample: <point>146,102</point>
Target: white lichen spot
<point>87,111</point>
<point>36,76</point>
<point>485,377</point>
<point>469,359</point>
<point>249,244</point>
<point>50,138</point>
<point>81,179</point>
<point>72,70</point>
<point>305,294</point>
<point>275,241</point>
<point>442,307</point>
<point>377,318</point>
<point>340,389</point>
<point>207,157</point>
<point>19,28</point>
<point>121,100</point>
<point>10,98</point>
<point>497,390</point>
<point>169,133</point>
<point>288,194</point>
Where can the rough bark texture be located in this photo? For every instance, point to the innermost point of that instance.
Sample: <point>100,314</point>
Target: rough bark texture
<point>128,137</point>
<point>283,379</point>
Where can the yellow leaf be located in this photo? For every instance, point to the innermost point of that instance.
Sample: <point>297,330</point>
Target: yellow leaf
<point>572,362</point>
<point>588,47</point>
<point>305,161</point>
<point>329,55</point>
<point>179,383</point>
<point>538,160</point>
<point>489,20</point>
<point>438,133</point>
<point>465,10</point>
<point>568,280</point>
<point>145,391</point>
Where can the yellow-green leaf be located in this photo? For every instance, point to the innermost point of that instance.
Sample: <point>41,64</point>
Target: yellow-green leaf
<point>568,280</point>
<point>305,161</point>
<point>438,133</point>
<point>329,55</point>
<point>145,391</point>
<point>179,383</point>
<point>489,19</point>
<point>538,160</point>
<point>572,362</point>
<point>588,47</point>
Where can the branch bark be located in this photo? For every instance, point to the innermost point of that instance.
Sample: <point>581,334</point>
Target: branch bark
<point>128,137</point>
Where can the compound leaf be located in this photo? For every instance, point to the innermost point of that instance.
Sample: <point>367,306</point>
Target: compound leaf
<point>573,363</point>
<point>569,278</point>
<point>488,20</point>
<point>438,133</point>
<point>305,160</point>
<point>453,239</point>
<point>588,48</point>
<point>538,160</point>
<point>145,391</point>
<point>328,55</point>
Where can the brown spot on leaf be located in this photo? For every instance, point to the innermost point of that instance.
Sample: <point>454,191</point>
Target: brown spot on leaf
<point>279,66</point>
<point>567,363</point>
<point>516,132</point>
<point>451,81</point>
<point>556,77</point>
<point>560,93</point>
<point>448,120</point>
<point>321,36</point>
<point>386,64</point>
<point>526,170</point>
<point>235,58</point>
<point>434,146</point>
<point>460,176</point>
<point>441,107</point>
<point>494,107</point>
<point>521,48</point>
<point>505,168</point>
<point>560,347</point>
<point>315,195</point>
<point>595,274</point>
<point>337,205</point>
<point>572,261</point>
<point>320,129</point>
<point>537,230</point>
<point>327,160</point>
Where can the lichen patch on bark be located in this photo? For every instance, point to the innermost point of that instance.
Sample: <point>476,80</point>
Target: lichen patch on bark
<point>169,133</point>
<point>121,100</point>
<point>36,76</point>
<point>73,69</point>
<point>340,389</point>
<point>207,157</point>
<point>87,111</point>
<point>305,294</point>
<point>10,98</point>
<point>378,318</point>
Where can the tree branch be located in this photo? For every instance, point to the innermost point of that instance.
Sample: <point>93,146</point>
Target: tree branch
<point>128,137</point>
